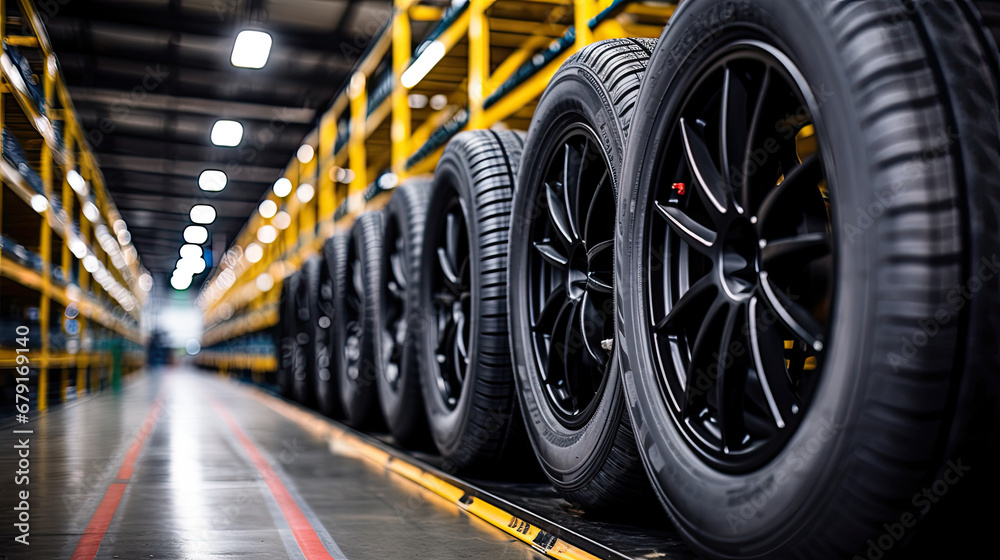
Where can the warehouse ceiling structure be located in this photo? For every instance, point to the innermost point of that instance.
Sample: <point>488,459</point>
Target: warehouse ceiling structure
<point>150,78</point>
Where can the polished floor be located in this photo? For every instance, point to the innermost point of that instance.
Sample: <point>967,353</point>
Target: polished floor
<point>185,465</point>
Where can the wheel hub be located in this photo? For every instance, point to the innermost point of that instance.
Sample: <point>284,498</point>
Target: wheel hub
<point>578,272</point>
<point>739,259</point>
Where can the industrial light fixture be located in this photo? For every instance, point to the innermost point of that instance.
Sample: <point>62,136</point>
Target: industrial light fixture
<point>191,265</point>
<point>305,192</point>
<point>305,153</point>
<point>254,252</point>
<point>202,214</point>
<point>91,212</point>
<point>124,237</point>
<point>77,183</point>
<point>265,282</point>
<point>39,203</point>
<point>267,234</point>
<point>212,180</point>
<point>418,101</point>
<point>281,220</point>
<point>191,251</point>
<point>90,263</point>
<point>195,234</point>
<point>77,247</point>
<point>267,209</point>
<point>145,282</point>
<point>251,49</point>
<point>439,101</point>
<point>180,283</point>
<point>423,64</point>
<point>227,133</point>
<point>282,187</point>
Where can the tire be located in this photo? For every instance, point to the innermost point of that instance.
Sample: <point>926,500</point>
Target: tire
<point>325,388</point>
<point>400,320</point>
<point>285,330</point>
<point>474,422</point>
<point>568,383</point>
<point>358,310</point>
<point>838,465</point>
<point>304,364</point>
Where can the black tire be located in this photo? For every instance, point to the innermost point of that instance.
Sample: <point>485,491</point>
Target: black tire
<point>474,423</point>
<point>568,382</point>
<point>910,215</point>
<point>358,308</point>
<point>400,321</point>
<point>285,343</point>
<point>304,364</point>
<point>327,395</point>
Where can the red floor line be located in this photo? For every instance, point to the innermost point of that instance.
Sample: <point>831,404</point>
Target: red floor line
<point>90,542</point>
<point>305,535</point>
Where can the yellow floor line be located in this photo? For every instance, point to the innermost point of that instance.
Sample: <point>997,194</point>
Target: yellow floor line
<point>341,439</point>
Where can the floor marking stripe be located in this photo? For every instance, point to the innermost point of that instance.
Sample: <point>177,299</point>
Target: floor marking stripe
<point>531,535</point>
<point>305,535</point>
<point>90,541</point>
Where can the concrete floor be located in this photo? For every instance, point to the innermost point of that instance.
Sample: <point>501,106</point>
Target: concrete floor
<point>216,474</point>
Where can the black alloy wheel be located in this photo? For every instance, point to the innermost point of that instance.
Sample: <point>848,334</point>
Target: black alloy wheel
<point>451,289</point>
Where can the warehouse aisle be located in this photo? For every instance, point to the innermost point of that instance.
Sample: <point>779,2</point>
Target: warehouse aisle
<point>185,465</point>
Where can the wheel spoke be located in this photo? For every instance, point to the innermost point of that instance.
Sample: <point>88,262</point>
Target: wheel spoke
<point>594,203</point>
<point>557,212</point>
<point>552,255</point>
<point>587,312</point>
<point>755,125</point>
<point>733,129</point>
<point>550,310</point>
<point>806,174</point>
<point>691,302</point>
<point>731,379</point>
<point>600,281</point>
<point>557,366</point>
<point>767,349</point>
<point>447,268</point>
<point>713,187</point>
<point>802,249</point>
<point>599,249</point>
<point>792,315</point>
<point>701,350</point>
<point>694,234</point>
<point>572,191</point>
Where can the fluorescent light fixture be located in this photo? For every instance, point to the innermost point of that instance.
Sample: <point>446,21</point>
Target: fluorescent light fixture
<point>77,183</point>
<point>267,234</point>
<point>190,251</point>
<point>212,180</point>
<point>281,220</point>
<point>251,49</point>
<point>282,187</point>
<point>145,282</point>
<point>39,203</point>
<point>227,133</point>
<point>180,283</point>
<point>265,282</point>
<point>423,64</point>
<point>305,153</point>
<point>268,208</point>
<point>254,252</point>
<point>202,214</point>
<point>305,192</point>
<point>195,234</point>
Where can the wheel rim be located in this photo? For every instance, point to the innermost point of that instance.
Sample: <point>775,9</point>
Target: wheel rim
<point>570,275</point>
<point>353,328</point>
<point>451,298</point>
<point>739,258</point>
<point>394,305</point>
<point>325,308</point>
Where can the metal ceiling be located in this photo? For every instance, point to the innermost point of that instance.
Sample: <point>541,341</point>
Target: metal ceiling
<point>150,77</point>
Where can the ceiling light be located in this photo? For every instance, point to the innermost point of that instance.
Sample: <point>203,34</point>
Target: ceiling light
<point>124,237</point>
<point>254,252</point>
<point>282,187</point>
<point>305,153</point>
<point>118,226</point>
<point>305,192</point>
<point>39,203</point>
<point>191,265</point>
<point>189,251</point>
<point>90,263</point>
<point>145,282</point>
<point>282,220</point>
<point>265,282</point>
<point>77,247</point>
<point>212,180</point>
<point>202,214</point>
<point>388,181</point>
<point>77,183</point>
<point>251,49</point>
<point>418,101</point>
<point>91,212</point>
<point>227,133</point>
<point>267,234</point>
<point>439,101</point>
<point>268,208</point>
<point>195,234</point>
<point>180,283</point>
<point>424,64</point>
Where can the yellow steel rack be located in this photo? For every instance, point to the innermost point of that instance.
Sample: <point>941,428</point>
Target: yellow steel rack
<point>494,59</point>
<point>60,255</point>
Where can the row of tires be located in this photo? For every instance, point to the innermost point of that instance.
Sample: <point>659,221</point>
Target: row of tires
<point>749,269</point>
